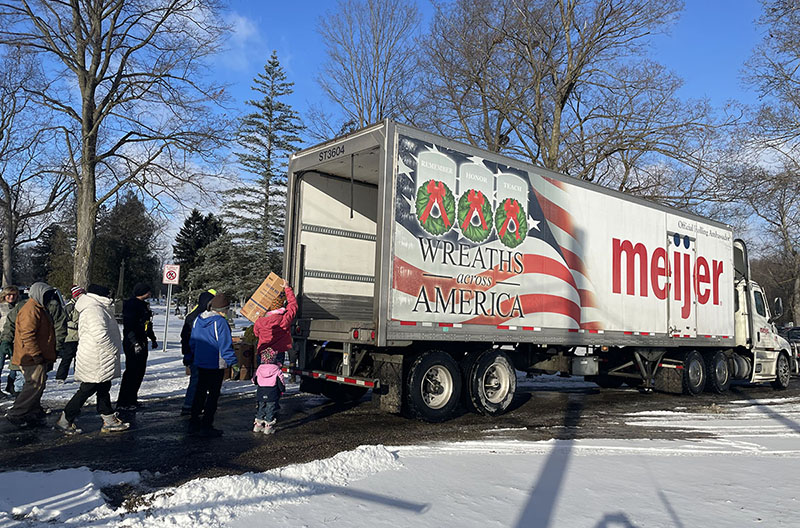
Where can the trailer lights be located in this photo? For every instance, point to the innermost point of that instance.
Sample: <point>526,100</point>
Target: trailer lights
<point>355,334</point>
<point>372,335</point>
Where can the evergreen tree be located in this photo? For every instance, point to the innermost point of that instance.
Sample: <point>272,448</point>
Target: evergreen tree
<point>23,270</point>
<point>126,232</point>
<point>224,266</point>
<point>51,259</point>
<point>197,232</point>
<point>255,210</point>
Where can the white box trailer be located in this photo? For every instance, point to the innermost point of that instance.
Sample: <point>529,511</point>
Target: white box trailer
<point>429,270</point>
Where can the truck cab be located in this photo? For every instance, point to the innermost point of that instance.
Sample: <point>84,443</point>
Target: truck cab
<point>761,354</point>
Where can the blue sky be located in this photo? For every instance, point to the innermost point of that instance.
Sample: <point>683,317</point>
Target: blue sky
<point>707,47</point>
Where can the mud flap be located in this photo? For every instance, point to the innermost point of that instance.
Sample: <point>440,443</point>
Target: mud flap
<point>668,378</point>
<point>389,371</point>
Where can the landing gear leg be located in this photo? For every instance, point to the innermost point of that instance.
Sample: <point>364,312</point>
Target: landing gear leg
<point>647,360</point>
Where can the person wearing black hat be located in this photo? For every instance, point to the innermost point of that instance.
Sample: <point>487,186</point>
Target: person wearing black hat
<point>137,328</point>
<point>212,348</point>
<point>203,302</point>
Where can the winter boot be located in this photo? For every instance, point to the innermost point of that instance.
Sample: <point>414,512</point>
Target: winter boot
<point>269,427</point>
<point>258,426</point>
<point>112,423</point>
<point>66,426</point>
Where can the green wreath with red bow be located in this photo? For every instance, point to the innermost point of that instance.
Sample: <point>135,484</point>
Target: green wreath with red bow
<point>475,215</point>
<point>436,207</point>
<point>511,223</point>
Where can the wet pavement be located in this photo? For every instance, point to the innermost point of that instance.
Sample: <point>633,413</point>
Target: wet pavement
<point>312,427</point>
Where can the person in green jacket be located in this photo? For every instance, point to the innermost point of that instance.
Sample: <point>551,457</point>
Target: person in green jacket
<point>8,299</point>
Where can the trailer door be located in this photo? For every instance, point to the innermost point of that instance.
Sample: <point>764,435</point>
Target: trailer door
<point>682,254</point>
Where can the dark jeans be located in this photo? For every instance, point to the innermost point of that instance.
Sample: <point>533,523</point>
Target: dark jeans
<point>191,389</point>
<point>209,383</point>
<point>73,408</point>
<point>135,365</point>
<point>29,400</point>
<point>67,356</point>
<point>266,410</point>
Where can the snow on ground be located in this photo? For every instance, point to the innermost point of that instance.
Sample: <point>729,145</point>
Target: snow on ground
<point>738,472</point>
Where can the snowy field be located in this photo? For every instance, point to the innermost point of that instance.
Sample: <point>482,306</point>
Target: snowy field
<point>740,471</point>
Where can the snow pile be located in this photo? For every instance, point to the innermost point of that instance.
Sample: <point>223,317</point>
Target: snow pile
<point>55,496</point>
<point>217,501</point>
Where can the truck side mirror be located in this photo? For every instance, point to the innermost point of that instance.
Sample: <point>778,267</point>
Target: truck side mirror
<point>777,308</point>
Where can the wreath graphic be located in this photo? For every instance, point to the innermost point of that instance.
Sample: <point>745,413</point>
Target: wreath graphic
<point>473,210</point>
<point>511,223</point>
<point>436,207</point>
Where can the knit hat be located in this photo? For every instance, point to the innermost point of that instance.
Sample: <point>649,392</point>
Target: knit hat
<point>77,291</point>
<point>96,289</point>
<point>219,302</point>
<point>141,289</point>
<point>269,355</point>
<point>278,302</point>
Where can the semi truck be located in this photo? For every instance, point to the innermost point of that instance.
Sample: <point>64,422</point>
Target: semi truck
<point>432,272</point>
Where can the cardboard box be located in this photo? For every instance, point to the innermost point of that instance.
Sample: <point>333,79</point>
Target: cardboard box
<point>245,354</point>
<point>259,303</point>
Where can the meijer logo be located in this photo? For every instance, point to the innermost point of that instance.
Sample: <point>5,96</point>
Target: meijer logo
<point>651,271</point>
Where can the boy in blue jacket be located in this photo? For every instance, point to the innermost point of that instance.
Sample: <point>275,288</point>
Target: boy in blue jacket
<point>212,347</point>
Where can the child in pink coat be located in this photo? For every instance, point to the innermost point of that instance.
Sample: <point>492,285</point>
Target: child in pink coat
<point>274,339</point>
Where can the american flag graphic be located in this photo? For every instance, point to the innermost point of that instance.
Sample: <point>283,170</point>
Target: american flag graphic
<point>541,282</point>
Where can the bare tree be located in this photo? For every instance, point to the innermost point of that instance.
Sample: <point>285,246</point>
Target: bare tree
<point>773,70</point>
<point>32,187</point>
<point>566,84</point>
<point>370,47</point>
<point>773,138</point>
<point>772,197</point>
<point>128,78</point>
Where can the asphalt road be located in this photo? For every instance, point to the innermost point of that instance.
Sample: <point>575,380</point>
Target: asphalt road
<point>312,427</point>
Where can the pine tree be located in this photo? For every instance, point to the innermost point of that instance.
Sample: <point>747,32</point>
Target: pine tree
<point>254,211</point>
<point>224,267</point>
<point>197,232</point>
<point>51,259</point>
<point>126,232</point>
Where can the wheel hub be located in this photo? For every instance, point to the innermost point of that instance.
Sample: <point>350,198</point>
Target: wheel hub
<point>496,383</point>
<point>437,387</point>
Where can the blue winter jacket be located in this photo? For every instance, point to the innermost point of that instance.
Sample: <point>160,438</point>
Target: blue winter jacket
<point>211,342</point>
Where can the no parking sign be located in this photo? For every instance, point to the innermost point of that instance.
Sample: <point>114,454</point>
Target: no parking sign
<point>172,273</point>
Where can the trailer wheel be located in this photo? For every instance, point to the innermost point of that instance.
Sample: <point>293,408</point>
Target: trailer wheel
<point>719,372</point>
<point>433,386</point>
<point>608,382</point>
<point>694,373</point>
<point>782,373</point>
<point>491,382</point>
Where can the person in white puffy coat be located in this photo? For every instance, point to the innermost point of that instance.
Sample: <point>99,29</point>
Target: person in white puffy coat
<point>97,361</point>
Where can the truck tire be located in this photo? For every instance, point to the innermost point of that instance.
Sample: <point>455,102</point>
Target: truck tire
<point>433,386</point>
<point>605,381</point>
<point>782,372</point>
<point>490,383</point>
<point>694,373</point>
<point>718,371</point>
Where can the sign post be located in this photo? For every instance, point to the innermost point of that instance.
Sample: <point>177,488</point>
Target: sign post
<point>172,273</point>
